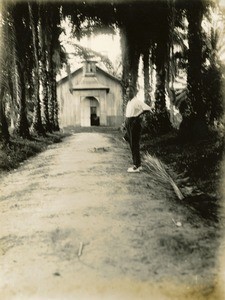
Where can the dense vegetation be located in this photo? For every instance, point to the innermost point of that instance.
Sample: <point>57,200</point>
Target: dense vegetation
<point>177,41</point>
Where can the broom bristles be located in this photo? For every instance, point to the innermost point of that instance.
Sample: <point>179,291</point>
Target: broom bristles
<point>156,166</point>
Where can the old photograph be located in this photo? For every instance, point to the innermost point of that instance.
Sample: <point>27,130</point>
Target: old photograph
<point>112,167</point>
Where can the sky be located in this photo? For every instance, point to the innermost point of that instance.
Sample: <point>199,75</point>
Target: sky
<point>222,3</point>
<point>106,44</point>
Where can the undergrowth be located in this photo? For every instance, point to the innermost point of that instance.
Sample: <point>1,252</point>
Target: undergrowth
<point>197,167</point>
<point>19,149</point>
<point>199,161</point>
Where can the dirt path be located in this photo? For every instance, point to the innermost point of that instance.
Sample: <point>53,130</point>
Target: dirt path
<point>76,225</point>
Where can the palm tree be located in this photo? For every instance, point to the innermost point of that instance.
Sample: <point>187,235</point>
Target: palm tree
<point>5,60</point>
<point>44,32</point>
<point>85,53</point>
<point>130,59</point>
<point>161,57</point>
<point>135,31</point>
<point>55,56</point>
<point>146,73</point>
<point>145,32</point>
<point>4,132</point>
<point>213,68</point>
<point>20,18</point>
<point>34,20</point>
<point>194,123</point>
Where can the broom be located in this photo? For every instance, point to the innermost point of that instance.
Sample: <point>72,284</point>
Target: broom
<point>156,167</point>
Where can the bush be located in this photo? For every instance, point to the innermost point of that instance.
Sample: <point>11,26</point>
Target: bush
<point>20,149</point>
<point>156,123</point>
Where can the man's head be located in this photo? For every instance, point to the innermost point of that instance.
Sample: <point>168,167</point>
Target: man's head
<point>131,91</point>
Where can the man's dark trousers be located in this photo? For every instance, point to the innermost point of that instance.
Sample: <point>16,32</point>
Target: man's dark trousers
<point>133,128</point>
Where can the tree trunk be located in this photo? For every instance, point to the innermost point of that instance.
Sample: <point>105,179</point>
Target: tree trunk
<point>37,123</point>
<point>51,102</point>
<point>4,132</point>
<point>22,125</point>
<point>160,104</point>
<point>194,72</point>
<point>161,111</point>
<point>44,65</point>
<point>146,67</point>
<point>45,97</point>
<point>19,22</point>
<point>6,46</point>
<point>56,106</point>
<point>193,125</point>
<point>53,57</point>
<point>125,64</point>
<point>130,60</point>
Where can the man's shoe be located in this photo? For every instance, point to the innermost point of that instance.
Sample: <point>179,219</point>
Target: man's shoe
<point>133,169</point>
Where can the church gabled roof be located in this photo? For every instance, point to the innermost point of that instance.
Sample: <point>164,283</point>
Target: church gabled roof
<point>74,73</point>
<point>90,83</point>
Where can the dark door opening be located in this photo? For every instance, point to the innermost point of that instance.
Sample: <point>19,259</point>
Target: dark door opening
<point>94,117</point>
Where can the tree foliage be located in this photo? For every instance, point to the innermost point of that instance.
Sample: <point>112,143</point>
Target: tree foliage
<point>33,53</point>
<point>167,35</point>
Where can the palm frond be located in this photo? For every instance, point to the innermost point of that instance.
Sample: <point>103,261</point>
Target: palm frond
<point>158,170</point>
<point>86,52</point>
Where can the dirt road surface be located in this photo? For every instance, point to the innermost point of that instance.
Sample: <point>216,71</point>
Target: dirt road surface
<point>76,225</point>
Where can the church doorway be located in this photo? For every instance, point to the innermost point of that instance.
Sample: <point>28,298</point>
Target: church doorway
<point>94,116</point>
<point>90,112</point>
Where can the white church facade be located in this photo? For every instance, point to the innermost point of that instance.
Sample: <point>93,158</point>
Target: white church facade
<point>90,97</point>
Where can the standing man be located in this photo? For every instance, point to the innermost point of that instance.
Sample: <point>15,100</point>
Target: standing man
<point>134,109</point>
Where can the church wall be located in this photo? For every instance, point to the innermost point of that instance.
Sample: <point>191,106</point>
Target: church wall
<point>114,96</point>
<point>70,103</point>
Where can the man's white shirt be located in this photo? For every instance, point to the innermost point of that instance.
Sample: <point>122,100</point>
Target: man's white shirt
<point>135,107</point>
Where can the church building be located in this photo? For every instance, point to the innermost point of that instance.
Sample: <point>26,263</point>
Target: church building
<point>90,96</point>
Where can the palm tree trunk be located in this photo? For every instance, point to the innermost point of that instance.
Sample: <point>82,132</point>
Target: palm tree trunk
<point>130,59</point>
<point>161,111</point>
<point>22,125</point>
<point>160,104</point>
<point>193,125</point>
<point>4,132</point>
<point>194,72</point>
<point>51,102</point>
<point>37,123</point>
<point>56,106</point>
<point>146,67</point>
<point>4,42</point>
<point>44,65</point>
<point>45,95</point>
<point>125,63</point>
<point>53,57</point>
